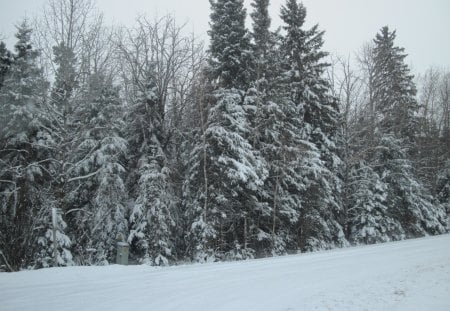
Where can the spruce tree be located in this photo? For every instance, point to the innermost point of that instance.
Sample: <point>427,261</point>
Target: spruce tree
<point>261,26</point>
<point>199,231</point>
<point>24,89</point>
<point>25,162</point>
<point>281,146</point>
<point>304,84</point>
<point>95,187</point>
<point>394,88</point>
<point>153,225</point>
<point>368,213</point>
<point>149,176</point>
<point>232,173</point>
<point>231,170</point>
<point>60,107</point>
<point>263,42</point>
<point>408,201</point>
<point>229,49</point>
<point>65,84</point>
<point>276,135</point>
<point>61,132</point>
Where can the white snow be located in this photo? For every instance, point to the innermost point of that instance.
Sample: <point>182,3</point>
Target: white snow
<point>408,275</point>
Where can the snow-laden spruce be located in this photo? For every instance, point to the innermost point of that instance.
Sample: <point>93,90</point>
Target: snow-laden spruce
<point>304,84</point>
<point>25,159</point>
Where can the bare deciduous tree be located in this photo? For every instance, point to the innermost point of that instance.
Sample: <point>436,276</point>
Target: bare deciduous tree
<point>75,24</point>
<point>156,52</point>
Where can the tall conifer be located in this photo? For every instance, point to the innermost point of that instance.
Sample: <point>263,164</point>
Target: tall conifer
<point>304,84</point>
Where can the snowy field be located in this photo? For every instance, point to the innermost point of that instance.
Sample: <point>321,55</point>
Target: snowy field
<point>407,275</point>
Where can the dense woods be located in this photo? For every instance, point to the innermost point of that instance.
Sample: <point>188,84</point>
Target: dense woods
<point>261,144</point>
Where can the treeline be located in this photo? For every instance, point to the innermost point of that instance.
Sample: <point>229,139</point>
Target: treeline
<point>257,147</point>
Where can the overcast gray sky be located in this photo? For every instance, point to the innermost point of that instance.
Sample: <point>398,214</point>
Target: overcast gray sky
<point>423,27</point>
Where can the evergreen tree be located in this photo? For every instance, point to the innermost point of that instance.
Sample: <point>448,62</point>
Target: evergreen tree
<point>44,255</point>
<point>60,112</point>
<point>235,174</point>
<point>24,89</point>
<point>230,56</point>
<point>394,89</point>
<point>199,230</point>
<point>281,146</point>
<point>304,84</point>
<point>96,189</point>
<point>65,83</point>
<point>25,162</point>
<point>276,136</point>
<point>228,169</point>
<point>261,25</point>
<point>408,202</point>
<point>395,106</point>
<point>237,159</point>
<point>5,62</point>
<point>368,213</point>
<point>263,46</point>
<point>61,134</point>
<point>151,223</point>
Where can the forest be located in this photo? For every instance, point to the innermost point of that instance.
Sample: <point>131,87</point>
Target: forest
<point>259,144</point>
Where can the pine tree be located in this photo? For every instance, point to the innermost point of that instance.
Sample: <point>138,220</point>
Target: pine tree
<point>65,82</point>
<point>44,255</point>
<point>263,43</point>
<point>226,168</point>
<point>261,25</point>
<point>59,122</point>
<point>302,74</point>
<point>394,89</point>
<point>25,161</point>
<point>368,212</point>
<point>199,230</point>
<point>395,106</point>
<point>281,146</point>
<point>151,224</point>
<point>234,174</point>
<point>60,113</point>
<point>95,186</point>
<point>24,89</point>
<point>230,56</point>
<point>276,136</point>
<point>408,201</point>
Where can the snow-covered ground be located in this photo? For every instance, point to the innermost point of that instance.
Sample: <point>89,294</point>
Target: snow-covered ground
<point>407,275</point>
